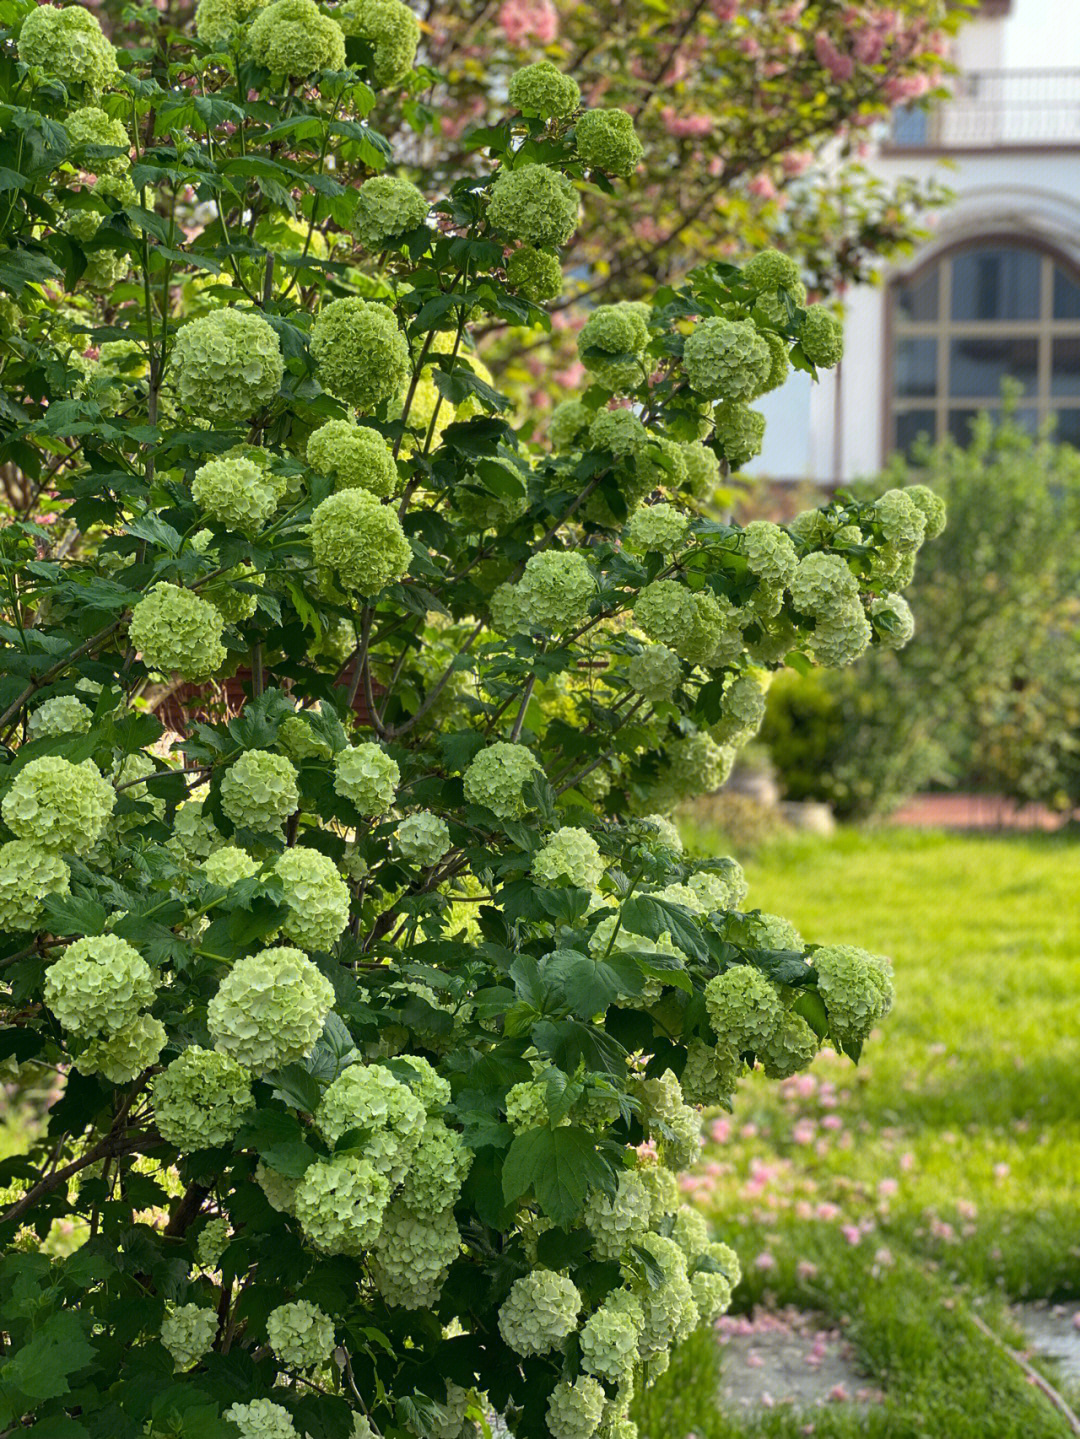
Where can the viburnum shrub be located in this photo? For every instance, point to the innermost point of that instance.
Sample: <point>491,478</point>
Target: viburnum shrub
<point>340,896</point>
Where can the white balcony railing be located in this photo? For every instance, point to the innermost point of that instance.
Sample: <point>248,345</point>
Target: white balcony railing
<point>990,108</point>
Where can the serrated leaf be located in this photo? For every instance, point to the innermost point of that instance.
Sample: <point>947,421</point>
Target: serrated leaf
<point>558,1167</point>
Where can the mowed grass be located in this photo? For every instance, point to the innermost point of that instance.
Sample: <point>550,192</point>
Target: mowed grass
<point>938,1181</point>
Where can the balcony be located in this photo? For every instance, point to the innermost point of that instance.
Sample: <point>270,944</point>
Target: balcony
<point>992,109</point>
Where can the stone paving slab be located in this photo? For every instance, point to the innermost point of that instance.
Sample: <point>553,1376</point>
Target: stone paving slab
<point>788,1357</point>
<point>1054,1333</point>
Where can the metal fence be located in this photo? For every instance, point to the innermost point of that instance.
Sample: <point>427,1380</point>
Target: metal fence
<point>990,108</point>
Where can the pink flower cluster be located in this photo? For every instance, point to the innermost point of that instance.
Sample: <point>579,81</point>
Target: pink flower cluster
<point>685,127</point>
<point>522,20</point>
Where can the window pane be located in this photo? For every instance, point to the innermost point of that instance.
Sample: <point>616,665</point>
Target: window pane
<point>961,421</point>
<point>977,367</point>
<point>960,425</point>
<point>1066,297</point>
<point>1068,427</point>
<point>998,283</point>
<point>911,424</point>
<point>1065,371</point>
<point>916,368</point>
<point>918,301</point>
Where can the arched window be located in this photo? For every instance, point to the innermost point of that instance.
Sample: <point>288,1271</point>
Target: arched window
<point>993,310</point>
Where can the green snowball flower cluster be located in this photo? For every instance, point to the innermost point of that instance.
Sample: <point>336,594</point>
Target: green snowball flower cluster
<point>413,1254</point>
<point>770,553</point>
<point>58,805</point>
<point>534,204</point>
<point>237,492</point>
<point>669,1310</point>
<point>568,425</point>
<point>392,30</point>
<point>931,506</point>
<point>293,39</point>
<point>269,1009</point>
<point>367,778</point>
<point>63,714</point>
<point>772,308</point>
<point>188,1332</point>
<point>91,125</point>
<point>555,590</point>
<point>540,1311</point>
<point>822,337</point>
<point>340,1203</point>
<point>612,344</point>
<point>654,672</point>
<point>227,365</point>
<point>772,931</point>
<point>28,875</point>
<point>280,1190</point>
<point>658,527</point>
<point>744,1008</point>
<point>235,605</point>
<point>727,359</point>
<point>740,433</point>
<point>771,270</point>
<point>710,1076</point>
<point>68,45</point>
<point>423,838</point>
<point>369,1097</point>
<point>575,1408</point>
<point>670,1121</point>
<point>696,765</point>
<point>360,354</point>
<point>98,985</point>
<point>194,836</point>
<point>702,469</point>
<point>496,776</point>
<point>526,1106</point>
<point>201,1099</point>
<point>856,987</point>
<point>619,431</point>
<point>124,1055</point>
<point>742,709</point>
<point>666,833</point>
<point>571,853</point>
<point>174,629</point>
<point>538,276</point>
<point>354,457</point>
<point>620,1221</point>
<point>212,1242</point>
<point>901,519</point>
<point>791,1047</point>
<point>430,1088</point>
<point>317,898</point>
<point>228,865</point>
<point>687,621</point>
<point>259,791</point>
<point>437,1170</point>
<point>262,1418</point>
<point>841,636</point>
<point>609,1340</point>
<point>823,584</point>
<point>386,208</point>
<point>360,541</point>
<point>219,22</point>
<point>721,887</point>
<point>297,737</point>
<point>606,140</point>
<point>300,1334</point>
<point>893,620</point>
<point>544,91</point>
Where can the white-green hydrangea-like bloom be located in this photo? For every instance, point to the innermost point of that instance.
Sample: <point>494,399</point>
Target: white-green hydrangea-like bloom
<point>722,887</point>
<point>606,140</point>
<point>690,1232</point>
<point>663,1190</point>
<point>279,1189</point>
<point>430,1088</point>
<point>696,765</point>
<point>543,90</point>
<point>386,207</point>
<point>570,853</point>
<point>555,589</point>
<point>340,1203</point>
<point>575,1408</point>
<point>298,739</point>
<point>228,865</point>
<point>744,1008</point>
<point>367,777</point>
<point>361,541</point>
<point>534,204</point>
<point>657,527</point>
<point>28,875</point>
<point>68,45</point>
<point>823,585</point>
<point>617,1223</point>
<point>670,1312</point>
<point>540,1311</point>
<point>667,832</point>
<point>423,838</point>
<point>237,492</point>
<point>98,985</point>
<point>212,1242</point>
<point>931,506</point>
<point>194,836</point>
<point>262,1418</point>
<point>856,987</point>
<point>218,22</point>
<point>771,270</point>
<point>300,1334</point>
<point>526,1106</point>
<point>392,29</point>
<point>655,673</point>
<point>742,708</point>
<point>58,805</point>
<point>712,1295</point>
<point>702,469</point>
<point>368,1097</point>
<point>413,1254</point>
<point>893,621</point>
<point>842,636</point>
<point>496,776</point>
<point>233,603</point>
<point>791,1048</point>
<point>124,1055</point>
<point>174,629</point>
<point>360,354</point>
<point>609,1341</point>
<point>292,39</point>
<point>568,425</point>
<point>726,359</point>
<point>620,431</point>
<point>437,1169</point>
<point>317,897</point>
<point>740,433</point>
<point>902,521</point>
<point>270,1009</point>
<point>354,456</point>
<point>537,274</point>
<point>259,791</point>
<point>201,1099</point>
<point>665,611</point>
<point>822,337</point>
<point>675,1125</point>
<point>770,552</point>
<point>227,365</point>
<point>188,1333</point>
<point>63,714</point>
<point>612,343</point>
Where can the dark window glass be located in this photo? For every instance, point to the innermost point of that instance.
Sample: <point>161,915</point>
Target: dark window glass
<point>1065,368</point>
<point>918,301</point>
<point>1068,427</point>
<point>998,283</point>
<point>962,421</point>
<point>960,425</point>
<point>916,368</point>
<point>978,366</point>
<point>913,424</point>
<point>1066,297</point>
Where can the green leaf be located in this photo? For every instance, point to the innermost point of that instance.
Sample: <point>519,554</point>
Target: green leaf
<point>558,1167</point>
<point>812,1008</point>
<point>41,1368</point>
<point>68,914</point>
<point>589,985</point>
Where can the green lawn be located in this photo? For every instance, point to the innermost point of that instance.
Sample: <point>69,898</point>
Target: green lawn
<point>939,1179</point>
